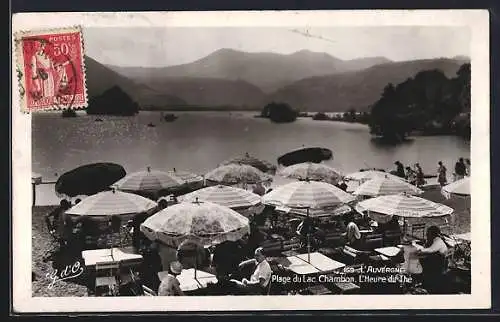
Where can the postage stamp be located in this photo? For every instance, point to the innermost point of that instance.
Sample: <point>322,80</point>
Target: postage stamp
<point>258,161</point>
<point>50,69</point>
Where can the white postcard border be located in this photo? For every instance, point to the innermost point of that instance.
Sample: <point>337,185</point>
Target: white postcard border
<point>480,297</point>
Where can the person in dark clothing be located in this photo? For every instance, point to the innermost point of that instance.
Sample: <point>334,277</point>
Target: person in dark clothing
<point>150,266</point>
<point>420,175</point>
<point>342,186</point>
<point>227,256</point>
<point>137,235</point>
<point>433,259</point>
<point>460,169</point>
<point>400,169</point>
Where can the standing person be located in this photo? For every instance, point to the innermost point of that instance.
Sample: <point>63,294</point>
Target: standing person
<point>170,285</point>
<point>460,169</point>
<point>259,189</point>
<point>441,174</point>
<point>400,170</point>
<point>410,175</point>
<point>420,175</point>
<point>467,167</point>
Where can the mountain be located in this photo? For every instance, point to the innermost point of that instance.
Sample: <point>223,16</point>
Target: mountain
<point>358,90</point>
<point>211,92</point>
<point>100,79</point>
<point>269,71</point>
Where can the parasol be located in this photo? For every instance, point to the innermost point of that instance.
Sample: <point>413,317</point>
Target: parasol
<point>312,171</point>
<point>89,179</point>
<point>204,222</point>
<point>247,159</point>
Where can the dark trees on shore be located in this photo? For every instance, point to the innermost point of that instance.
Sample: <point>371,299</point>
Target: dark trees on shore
<point>114,101</point>
<point>279,112</point>
<point>429,103</point>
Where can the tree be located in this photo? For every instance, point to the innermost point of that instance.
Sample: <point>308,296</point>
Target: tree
<point>279,112</point>
<point>429,103</point>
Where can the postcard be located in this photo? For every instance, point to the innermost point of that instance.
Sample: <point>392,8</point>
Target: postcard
<point>250,161</point>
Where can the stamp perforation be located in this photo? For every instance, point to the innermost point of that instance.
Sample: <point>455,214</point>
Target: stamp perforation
<point>19,63</point>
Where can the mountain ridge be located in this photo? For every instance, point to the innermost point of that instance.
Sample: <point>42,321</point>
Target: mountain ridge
<point>267,70</point>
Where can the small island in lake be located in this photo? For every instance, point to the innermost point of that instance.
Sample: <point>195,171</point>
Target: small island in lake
<point>114,101</point>
<point>279,113</point>
<point>68,113</point>
<point>170,117</point>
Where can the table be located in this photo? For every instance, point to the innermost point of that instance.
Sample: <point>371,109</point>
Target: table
<point>390,251</point>
<point>187,280</point>
<point>125,256</point>
<point>317,263</point>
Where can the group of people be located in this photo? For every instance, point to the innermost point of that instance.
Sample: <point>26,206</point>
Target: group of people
<point>462,169</point>
<point>414,175</point>
<point>256,284</point>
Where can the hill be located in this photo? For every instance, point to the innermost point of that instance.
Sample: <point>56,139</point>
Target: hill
<point>358,90</point>
<point>268,71</point>
<point>211,92</point>
<point>100,79</point>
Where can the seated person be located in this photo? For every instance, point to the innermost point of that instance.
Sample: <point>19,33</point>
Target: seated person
<point>352,234</point>
<point>391,225</point>
<point>434,258</point>
<point>192,254</point>
<point>170,285</point>
<point>227,256</point>
<point>260,278</point>
<point>310,227</point>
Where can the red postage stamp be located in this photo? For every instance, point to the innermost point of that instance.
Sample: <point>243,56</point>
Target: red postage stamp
<point>51,69</point>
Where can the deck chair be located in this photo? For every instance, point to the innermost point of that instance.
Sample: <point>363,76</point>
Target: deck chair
<point>148,291</point>
<point>108,279</point>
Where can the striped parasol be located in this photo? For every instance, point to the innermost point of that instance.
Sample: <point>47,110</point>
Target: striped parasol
<point>312,171</point>
<point>371,174</point>
<point>307,194</point>
<point>459,188</point>
<point>247,159</point>
<point>110,203</point>
<point>151,180</point>
<point>382,186</point>
<point>404,205</point>
<point>204,222</point>
<point>237,173</point>
<point>231,197</point>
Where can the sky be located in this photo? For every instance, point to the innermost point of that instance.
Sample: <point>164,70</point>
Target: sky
<point>156,47</point>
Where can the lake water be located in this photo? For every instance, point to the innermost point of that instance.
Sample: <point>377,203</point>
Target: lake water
<point>199,141</point>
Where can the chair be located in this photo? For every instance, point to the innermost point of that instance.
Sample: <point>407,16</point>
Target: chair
<point>110,281</point>
<point>268,288</point>
<point>418,227</point>
<point>148,291</point>
<point>391,237</point>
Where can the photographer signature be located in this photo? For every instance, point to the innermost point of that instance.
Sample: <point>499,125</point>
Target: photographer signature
<point>69,272</point>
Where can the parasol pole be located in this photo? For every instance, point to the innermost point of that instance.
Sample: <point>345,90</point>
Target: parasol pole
<point>308,240</point>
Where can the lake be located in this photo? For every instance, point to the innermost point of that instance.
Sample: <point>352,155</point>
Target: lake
<point>199,141</point>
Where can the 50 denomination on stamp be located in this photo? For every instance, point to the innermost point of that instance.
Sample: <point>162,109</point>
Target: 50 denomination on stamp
<point>50,69</point>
